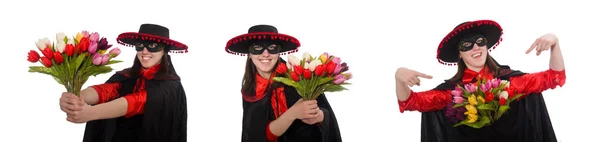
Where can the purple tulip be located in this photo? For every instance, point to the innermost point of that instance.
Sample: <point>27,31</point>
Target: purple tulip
<point>115,52</point>
<point>470,88</point>
<point>97,59</point>
<point>103,44</point>
<point>460,113</point>
<point>93,47</point>
<point>344,67</point>
<point>339,79</point>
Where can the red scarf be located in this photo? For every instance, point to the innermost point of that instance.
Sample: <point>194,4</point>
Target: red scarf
<point>278,101</point>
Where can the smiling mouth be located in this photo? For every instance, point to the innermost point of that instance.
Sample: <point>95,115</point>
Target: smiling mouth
<point>476,55</point>
<point>264,60</point>
<point>146,58</point>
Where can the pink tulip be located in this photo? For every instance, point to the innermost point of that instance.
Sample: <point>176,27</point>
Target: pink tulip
<point>456,93</point>
<point>496,83</point>
<point>336,60</point>
<point>348,76</point>
<point>339,79</point>
<point>85,33</point>
<point>115,52</point>
<point>94,37</point>
<point>105,58</point>
<point>470,88</point>
<point>97,59</point>
<point>337,69</point>
<point>459,100</point>
<point>93,47</point>
<point>487,86</point>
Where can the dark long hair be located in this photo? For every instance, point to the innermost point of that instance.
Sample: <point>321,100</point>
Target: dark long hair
<point>249,80</point>
<point>166,71</point>
<point>492,65</point>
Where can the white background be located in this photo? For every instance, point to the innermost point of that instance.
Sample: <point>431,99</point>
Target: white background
<point>374,38</point>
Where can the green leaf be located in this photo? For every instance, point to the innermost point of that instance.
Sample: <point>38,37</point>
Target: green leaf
<point>78,62</point>
<point>42,69</point>
<point>459,105</point>
<point>485,107</point>
<point>335,88</point>
<point>66,39</point>
<point>96,70</point>
<point>58,80</point>
<point>324,80</point>
<point>287,81</point>
<point>113,62</point>
<point>501,111</point>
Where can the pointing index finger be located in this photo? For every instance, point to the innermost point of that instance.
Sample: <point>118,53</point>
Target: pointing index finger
<point>532,46</point>
<point>424,75</point>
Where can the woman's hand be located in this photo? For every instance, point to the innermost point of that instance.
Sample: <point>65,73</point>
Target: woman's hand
<point>77,110</point>
<point>304,109</point>
<point>410,77</point>
<point>69,103</point>
<point>543,43</point>
<point>320,117</point>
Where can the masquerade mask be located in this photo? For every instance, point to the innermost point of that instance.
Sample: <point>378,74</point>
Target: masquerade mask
<point>151,47</point>
<point>259,47</point>
<point>467,44</point>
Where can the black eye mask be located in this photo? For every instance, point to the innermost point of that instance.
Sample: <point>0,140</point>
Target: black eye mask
<point>152,47</point>
<point>259,47</point>
<point>466,44</point>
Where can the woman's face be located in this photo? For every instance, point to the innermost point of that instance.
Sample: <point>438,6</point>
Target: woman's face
<point>473,51</point>
<point>264,56</point>
<point>149,54</point>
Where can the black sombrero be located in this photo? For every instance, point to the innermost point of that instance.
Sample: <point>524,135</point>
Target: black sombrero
<point>239,45</point>
<point>153,33</point>
<point>447,52</point>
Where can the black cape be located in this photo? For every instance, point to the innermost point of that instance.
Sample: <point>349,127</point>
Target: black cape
<point>164,118</point>
<point>258,114</point>
<point>527,120</point>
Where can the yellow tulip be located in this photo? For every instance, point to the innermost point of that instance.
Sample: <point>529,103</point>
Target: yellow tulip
<point>79,37</point>
<point>472,118</point>
<point>471,109</point>
<point>481,99</point>
<point>323,57</point>
<point>472,100</point>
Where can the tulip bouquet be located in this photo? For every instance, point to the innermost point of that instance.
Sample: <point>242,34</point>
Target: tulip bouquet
<point>312,76</point>
<point>71,61</point>
<point>480,105</point>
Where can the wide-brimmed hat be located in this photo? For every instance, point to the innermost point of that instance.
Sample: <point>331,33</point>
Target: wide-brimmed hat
<point>240,45</point>
<point>447,53</point>
<point>152,33</point>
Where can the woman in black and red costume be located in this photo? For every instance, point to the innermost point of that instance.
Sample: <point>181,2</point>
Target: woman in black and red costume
<point>467,47</point>
<point>274,111</point>
<point>143,103</point>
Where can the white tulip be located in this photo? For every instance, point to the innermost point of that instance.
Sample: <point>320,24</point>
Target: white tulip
<point>288,65</point>
<point>42,43</point>
<point>60,46</point>
<point>506,83</point>
<point>313,64</point>
<point>306,56</point>
<point>504,95</point>
<point>293,60</point>
<point>60,37</point>
<point>71,41</point>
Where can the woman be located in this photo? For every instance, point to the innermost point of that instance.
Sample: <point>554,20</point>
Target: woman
<point>274,111</point>
<point>143,103</point>
<point>467,46</point>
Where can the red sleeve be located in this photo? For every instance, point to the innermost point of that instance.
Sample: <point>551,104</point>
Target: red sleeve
<point>270,135</point>
<point>538,82</point>
<point>426,101</point>
<point>107,91</point>
<point>135,103</point>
